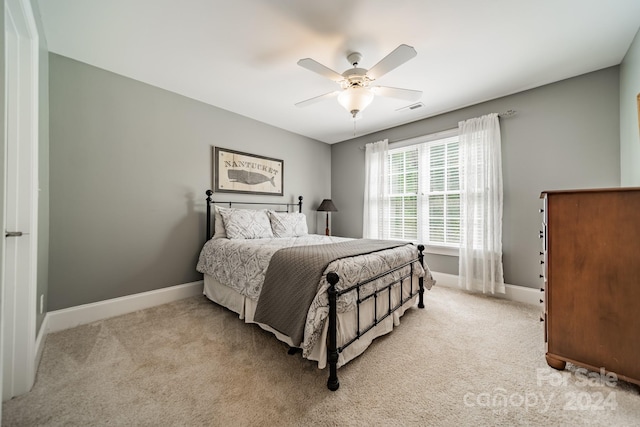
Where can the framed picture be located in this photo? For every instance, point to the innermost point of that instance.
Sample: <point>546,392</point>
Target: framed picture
<point>237,172</point>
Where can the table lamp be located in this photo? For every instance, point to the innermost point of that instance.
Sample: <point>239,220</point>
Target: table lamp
<point>327,206</point>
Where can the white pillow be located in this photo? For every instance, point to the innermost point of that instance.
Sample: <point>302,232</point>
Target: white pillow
<point>246,223</point>
<point>285,224</point>
<point>218,224</point>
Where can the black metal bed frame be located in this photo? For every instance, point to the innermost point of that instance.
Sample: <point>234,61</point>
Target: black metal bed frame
<point>211,202</point>
<point>333,351</point>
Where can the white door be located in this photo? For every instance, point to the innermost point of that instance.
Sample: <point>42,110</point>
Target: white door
<point>21,203</point>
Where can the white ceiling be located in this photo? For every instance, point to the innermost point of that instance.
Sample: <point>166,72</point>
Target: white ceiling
<point>241,55</point>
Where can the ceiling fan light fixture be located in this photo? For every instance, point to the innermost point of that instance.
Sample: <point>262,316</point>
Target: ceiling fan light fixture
<point>355,99</point>
<point>356,94</point>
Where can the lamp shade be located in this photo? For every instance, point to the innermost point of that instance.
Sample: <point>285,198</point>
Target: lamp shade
<point>355,99</point>
<point>327,206</point>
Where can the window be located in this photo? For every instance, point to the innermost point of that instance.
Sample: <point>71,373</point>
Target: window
<point>403,194</point>
<point>424,187</point>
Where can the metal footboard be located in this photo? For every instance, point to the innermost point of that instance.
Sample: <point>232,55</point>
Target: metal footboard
<point>333,350</point>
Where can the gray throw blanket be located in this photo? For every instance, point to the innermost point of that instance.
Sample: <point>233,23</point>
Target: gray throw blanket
<point>292,279</point>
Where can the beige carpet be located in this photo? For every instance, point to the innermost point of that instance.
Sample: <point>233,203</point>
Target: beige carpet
<point>464,360</point>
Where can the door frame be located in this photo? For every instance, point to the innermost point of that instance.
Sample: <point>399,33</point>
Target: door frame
<point>18,312</point>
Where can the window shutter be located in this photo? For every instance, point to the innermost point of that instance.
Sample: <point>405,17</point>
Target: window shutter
<point>424,180</point>
<point>403,198</point>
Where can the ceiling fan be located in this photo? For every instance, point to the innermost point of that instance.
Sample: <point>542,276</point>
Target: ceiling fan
<point>356,92</point>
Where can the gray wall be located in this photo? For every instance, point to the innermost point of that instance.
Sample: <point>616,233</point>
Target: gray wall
<point>129,166</point>
<point>565,135</point>
<point>629,126</point>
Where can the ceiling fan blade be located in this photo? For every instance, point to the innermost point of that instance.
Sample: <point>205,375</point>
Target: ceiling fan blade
<point>316,67</point>
<point>319,98</point>
<point>399,56</point>
<point>394,92</point>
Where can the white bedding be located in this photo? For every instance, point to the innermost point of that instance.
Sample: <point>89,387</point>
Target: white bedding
<point>241,264</point>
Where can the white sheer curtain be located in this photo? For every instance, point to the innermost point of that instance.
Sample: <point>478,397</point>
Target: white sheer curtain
<point>480,265</point>
<point>376,192</point>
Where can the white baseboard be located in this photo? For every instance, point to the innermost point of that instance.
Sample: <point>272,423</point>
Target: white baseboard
<point>512,292</point>
<point>66,318</point>
<point>59,320</point>
<point>42,335</point>
<point>40,339</point>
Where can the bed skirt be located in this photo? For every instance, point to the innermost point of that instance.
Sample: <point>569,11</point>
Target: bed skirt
<point>347,321</point>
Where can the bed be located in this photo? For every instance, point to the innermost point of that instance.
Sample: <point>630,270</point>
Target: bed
<point>355,290</point>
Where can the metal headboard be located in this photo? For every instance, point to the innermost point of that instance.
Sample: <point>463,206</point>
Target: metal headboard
<point>210,202</point>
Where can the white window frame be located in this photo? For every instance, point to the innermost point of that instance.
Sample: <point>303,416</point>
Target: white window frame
<point>450,250</point>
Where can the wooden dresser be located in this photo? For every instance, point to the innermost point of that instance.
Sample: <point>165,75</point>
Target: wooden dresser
<point>591,273</point>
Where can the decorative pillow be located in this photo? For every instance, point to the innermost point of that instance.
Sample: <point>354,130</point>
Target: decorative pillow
<point>218,224</point>
<point>288,224</point>
<point>246,223</point>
